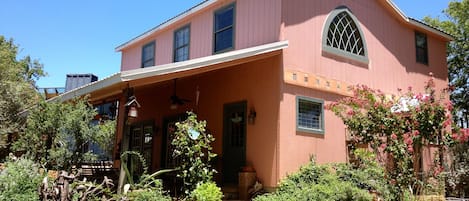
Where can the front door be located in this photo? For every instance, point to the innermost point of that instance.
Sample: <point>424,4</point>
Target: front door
<point>234,140</point>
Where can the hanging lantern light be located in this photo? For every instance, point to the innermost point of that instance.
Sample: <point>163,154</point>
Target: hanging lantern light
<point>132,104</point>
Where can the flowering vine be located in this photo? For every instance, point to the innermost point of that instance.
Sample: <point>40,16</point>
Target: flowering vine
<point>398,127</point>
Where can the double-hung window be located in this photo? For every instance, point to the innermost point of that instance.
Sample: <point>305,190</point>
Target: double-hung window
<point>148,54</point>
<point>421,48</point>
<point>181,44</point>
<point>309,115</point>
<point>224,29</point>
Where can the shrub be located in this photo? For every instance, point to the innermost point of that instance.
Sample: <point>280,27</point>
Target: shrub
<point>318,182</point>
<point>148,194</point>
<point>397,128</point>
<point>366,174</point>
<point>192,147</point>
<point>207,191</point>
<point>20,180</point>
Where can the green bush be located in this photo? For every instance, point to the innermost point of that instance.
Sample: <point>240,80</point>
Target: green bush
<point>193,150</point>
<point>147,195</point>
<point>207,191</point>
<point>20,180</point>
<point>334,182</point>
<point>366,174</point>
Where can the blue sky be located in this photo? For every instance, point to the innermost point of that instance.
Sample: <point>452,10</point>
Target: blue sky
<point>80,36</point>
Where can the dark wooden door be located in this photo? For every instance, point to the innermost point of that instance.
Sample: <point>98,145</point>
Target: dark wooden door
<point>169,125</point>
<point>141,141</point>
<point>234,141</point>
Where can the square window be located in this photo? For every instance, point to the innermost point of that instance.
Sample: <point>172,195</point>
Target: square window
<point>148,55</point>
<point>421,48</point>
<point>181,44</point>
<point>309,115</point>
<point>224,29</point>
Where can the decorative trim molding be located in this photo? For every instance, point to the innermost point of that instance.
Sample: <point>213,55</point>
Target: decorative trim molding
<point>316,82</point>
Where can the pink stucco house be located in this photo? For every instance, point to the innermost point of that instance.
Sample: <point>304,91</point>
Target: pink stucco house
<point>260,73</point>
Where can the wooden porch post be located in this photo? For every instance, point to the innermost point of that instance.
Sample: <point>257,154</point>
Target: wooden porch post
<point>125,139</point>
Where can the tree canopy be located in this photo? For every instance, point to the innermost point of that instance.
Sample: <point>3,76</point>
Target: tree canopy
<point>456,23</point>
<point>57,134</point>
<point>17,86</point>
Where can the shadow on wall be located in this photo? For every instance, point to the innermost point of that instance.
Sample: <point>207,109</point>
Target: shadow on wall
<point>375,21</point>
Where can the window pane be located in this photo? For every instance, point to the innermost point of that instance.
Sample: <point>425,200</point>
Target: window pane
<point>344,34</point>
<point>309,114</point>
<point>224,40</point>
<point>224,18</point>
<point>149,63</point>
<point>148,55</point>
<point>181,44</point>
<point>421,48</point>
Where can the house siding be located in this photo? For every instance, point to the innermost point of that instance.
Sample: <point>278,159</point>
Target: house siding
<point>274,146</point>
<point>257,22</point>
<point>392,64</point>
<point>256,82</point>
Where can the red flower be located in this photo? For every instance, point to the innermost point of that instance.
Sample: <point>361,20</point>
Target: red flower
<point>447,122</point>
<point>383,146</point>
<point>449,105</point>
<point>416,133</point>
<point>394,136</point>
<point>410,149</point>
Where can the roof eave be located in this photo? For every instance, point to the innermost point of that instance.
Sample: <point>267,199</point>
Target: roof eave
<point>201,62</point>
<point>88,88</point>
<point>125,77</point>
<point>430,29</point>
<point>418,24</point>
<point>165,24</point>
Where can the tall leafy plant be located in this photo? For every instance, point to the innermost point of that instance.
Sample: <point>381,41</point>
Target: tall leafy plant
<point>56,134</point>
<point>17,88</point>
<point>194,152</point>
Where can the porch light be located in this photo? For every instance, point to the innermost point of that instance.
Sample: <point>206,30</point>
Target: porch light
<point>133,105</point>
<point>252,116</point>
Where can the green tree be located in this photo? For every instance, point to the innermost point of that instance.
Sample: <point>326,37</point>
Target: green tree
<point>17,87</point>
<point>57,134</point>
<point>456,23</point>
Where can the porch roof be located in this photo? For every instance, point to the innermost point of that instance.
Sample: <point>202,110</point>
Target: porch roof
<point>114,84</point>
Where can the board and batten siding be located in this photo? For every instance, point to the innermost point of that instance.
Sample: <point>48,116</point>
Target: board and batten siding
<point>392,64</point>
<point>257,22</point>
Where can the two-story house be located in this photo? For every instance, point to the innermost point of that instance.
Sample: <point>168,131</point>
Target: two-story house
<point>260,72</point>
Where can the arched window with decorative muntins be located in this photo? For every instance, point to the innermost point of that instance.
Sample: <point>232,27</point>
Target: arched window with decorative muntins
<point>343,36</point>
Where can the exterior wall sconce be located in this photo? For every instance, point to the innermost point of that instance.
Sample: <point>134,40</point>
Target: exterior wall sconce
<point>133,105</point>
<point>252,116</point>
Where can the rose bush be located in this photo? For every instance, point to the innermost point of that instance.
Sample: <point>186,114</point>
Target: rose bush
<point>398,127</point>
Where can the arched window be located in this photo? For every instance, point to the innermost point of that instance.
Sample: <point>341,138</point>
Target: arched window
<point>342,35</point>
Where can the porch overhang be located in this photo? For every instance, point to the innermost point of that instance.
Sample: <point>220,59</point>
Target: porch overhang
<point>115,84</point>
<point>155,74</point>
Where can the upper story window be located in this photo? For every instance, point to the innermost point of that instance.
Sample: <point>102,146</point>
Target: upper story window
<point>421,48</point>
<point>342,36</point>
<point>309,115</point>
<point>224,29</point>
<point>148,54</point>
<point>181,44</point>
